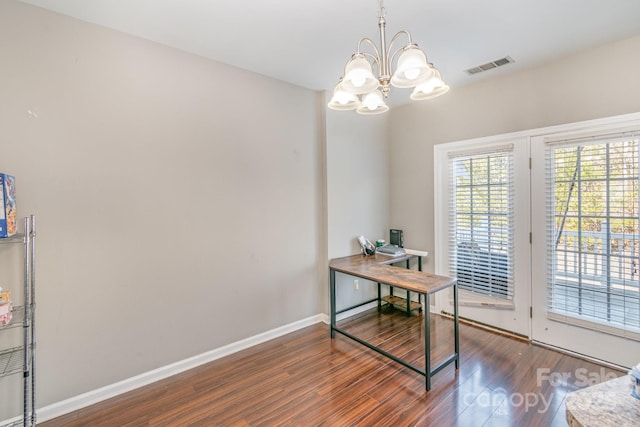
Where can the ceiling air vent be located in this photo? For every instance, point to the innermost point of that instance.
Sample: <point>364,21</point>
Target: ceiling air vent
<point>490,65</point>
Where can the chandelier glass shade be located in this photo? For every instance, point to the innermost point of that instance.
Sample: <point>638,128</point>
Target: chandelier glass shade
<point>431,88</point>
<point>361,90</point>
<point>358,76</point>
<point>343,100</point>
<point>372,103</point>
<point>412,68</point>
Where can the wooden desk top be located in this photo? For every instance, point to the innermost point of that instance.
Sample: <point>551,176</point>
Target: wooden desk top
<point>376,267</point>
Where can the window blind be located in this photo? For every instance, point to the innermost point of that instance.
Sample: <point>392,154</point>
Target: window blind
<point>481,222</point>
<point>593,233</point>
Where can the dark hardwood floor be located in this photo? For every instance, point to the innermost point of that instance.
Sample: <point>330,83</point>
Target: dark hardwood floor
<point>307,379</point>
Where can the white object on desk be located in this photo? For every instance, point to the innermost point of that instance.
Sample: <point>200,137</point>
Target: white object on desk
<point>416,252</point>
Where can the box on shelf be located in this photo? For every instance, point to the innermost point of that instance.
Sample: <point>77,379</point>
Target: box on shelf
<point>6,307</point>
<point>8,214</point>
<point>5,297</point>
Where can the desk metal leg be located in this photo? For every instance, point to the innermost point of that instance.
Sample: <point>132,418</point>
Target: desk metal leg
<point>409,293</point>
<point>456,328</point>
<point>420,269</point>
<point>332,300</point>
<point>379,296</point>
<point>408,304</point>
<point>427,343</point>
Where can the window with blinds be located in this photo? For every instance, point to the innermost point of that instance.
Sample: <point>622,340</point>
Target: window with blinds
<point>592,232</point>
<point>481,222</point>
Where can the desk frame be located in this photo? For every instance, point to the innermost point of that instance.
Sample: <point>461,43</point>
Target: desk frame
<point>408,307</point>
<point>379,270</point>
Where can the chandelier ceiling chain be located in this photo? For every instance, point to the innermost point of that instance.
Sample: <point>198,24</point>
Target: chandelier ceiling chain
<point>359,89</point>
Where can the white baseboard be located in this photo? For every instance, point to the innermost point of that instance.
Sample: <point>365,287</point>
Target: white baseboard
<point>78,402</point>
<point>354,311</point>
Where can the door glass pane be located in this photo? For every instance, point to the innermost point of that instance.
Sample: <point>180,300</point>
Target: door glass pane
<point>593,231</point>
<point>482,223</point>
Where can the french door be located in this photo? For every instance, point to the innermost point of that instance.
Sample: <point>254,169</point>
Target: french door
<point>585,287</point>
<point>482,229</point>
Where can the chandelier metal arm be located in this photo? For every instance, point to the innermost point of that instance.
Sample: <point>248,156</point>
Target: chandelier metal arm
<point>374,58</point>
<point>398,34</point>
<point>373,45</point>
<point>392,56</point>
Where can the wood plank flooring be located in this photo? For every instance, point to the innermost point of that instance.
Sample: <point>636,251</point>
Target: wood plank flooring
<point>307,379</point>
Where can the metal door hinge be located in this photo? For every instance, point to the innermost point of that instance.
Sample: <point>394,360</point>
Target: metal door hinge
<point>531,312</point>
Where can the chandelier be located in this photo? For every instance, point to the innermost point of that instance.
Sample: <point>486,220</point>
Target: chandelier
<point>359,89</point>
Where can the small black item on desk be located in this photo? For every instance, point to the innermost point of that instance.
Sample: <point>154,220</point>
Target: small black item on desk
<point>396,238</point>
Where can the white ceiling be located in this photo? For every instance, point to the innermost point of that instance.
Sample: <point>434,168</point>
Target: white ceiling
<point>308,42</point>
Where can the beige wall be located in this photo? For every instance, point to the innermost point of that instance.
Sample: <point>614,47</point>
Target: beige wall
<point>601,82</point>
<point>357,187</point>
<point>179,200</point>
